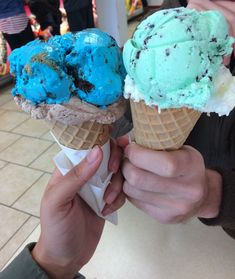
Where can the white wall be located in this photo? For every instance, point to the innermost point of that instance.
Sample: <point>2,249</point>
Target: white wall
<point>112,19</point>
<point>154,2</point>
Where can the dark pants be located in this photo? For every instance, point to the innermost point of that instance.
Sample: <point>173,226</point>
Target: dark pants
<point>47,13</point>
<point>19,39</point>
<point>145,3</point>
<point>80,19</point>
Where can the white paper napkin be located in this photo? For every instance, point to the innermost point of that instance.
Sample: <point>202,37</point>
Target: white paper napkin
<point>93,191</point>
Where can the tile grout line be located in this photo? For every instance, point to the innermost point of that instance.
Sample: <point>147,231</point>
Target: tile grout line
<point>28,136</point>
<point>23,123</point>
<point>10,109</point>
<point>47,172</point>
<point>10,145</point>
<point>27,236</point>
<point>40,154</point>
<point>17,164</point>
<point>34,158</point>
<point>45,134</point>
<point>15,233</point>
<point>12,204</point>
<point>21,112</point>
<point>20,210</point>
<point>7,163</point>
<point>5,103</point>
<point>19,123</point>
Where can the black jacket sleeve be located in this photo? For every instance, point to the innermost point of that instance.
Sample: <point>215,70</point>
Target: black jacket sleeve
<point>226,217</point>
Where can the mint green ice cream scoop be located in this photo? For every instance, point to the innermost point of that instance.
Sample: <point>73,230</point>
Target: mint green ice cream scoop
<point>175,55</point>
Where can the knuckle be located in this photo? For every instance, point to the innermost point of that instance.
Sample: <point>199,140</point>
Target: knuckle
<point>132,152</point>
<point>132,192</point>
<point>171,168</point>
<point>79,175</point>
<point>133,177</point>
<point>194,155</point>
<point>197,194</point>
<point>130,173</point>
<point>183,208</point>
<point>165,218</point>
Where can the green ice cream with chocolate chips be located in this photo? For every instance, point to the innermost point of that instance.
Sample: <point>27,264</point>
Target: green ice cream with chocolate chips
<point>175,55</point>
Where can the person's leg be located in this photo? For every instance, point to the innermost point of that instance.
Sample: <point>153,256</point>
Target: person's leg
<point>56,30</point>
<point>144,2</point>
<point>54,8</point>
<point>80,19</point>
<point>19,39</point>
<point>13,40</point>
<point>57,20</point>
<point>90,17</point>
<point>26,35</point>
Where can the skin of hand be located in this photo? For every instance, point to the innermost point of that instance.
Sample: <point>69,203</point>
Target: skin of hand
<point>226,7</point>
<point>70,230</point>
<point>171,186</point>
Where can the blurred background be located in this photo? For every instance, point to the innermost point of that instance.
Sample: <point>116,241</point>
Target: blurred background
<point>51,17</point>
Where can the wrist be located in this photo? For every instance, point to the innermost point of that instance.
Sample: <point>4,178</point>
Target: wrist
<point>54,268</point>
<point>211,206</point>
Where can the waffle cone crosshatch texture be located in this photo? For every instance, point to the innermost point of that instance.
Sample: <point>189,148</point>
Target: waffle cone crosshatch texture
<point>82,136</point>
<point>165,130</point>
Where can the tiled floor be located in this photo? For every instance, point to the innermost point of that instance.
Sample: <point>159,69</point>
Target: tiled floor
<point>26,152</point>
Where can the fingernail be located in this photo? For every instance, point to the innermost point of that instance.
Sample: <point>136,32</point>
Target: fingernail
<point>93,155</point>
<point>111,197</point>
<point>107,211</point>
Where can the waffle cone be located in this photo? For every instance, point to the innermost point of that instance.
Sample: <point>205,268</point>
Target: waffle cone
<point>81,137</point>
<point>165,130</point>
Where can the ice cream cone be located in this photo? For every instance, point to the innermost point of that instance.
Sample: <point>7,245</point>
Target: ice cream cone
<point>165,130</point>
<point>175,70</point>
<point>82,136</point>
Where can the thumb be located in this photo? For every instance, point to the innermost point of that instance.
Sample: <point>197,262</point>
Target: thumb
<point>72,182</point>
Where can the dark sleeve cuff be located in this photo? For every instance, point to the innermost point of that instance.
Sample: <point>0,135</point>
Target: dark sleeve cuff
<point>226,217</point>
<point>23,267</point>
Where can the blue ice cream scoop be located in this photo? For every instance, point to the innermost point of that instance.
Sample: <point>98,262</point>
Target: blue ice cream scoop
<point>40,73</point>
<point>97,62</point>
<point>87,64</point>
